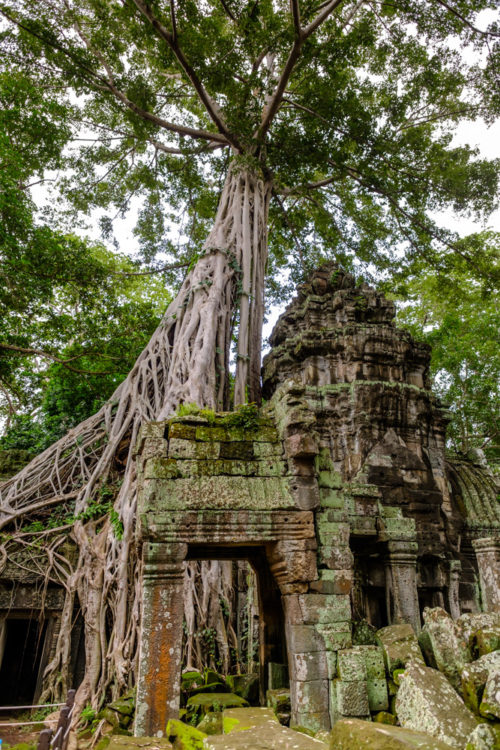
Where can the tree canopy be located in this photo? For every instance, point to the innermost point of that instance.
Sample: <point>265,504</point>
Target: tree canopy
<point>348,106</point>
<point>460,319</point>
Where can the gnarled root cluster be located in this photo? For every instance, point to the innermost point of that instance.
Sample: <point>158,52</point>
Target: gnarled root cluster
<point>88,478</point>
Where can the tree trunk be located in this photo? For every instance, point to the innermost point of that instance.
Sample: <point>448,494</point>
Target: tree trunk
<point>185,361</point>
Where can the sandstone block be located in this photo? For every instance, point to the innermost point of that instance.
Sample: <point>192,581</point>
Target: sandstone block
<point>490,704</point>
<point>273,737</point>
<point>240,719</point>
<point>309,666</point>
<point>349,699</point>
<point>336,635</point>
<point>351,666</point>
<point>449,651</point>
<point>483,737</point>
<point>311,609</point>
<point>301,445</point>
<point>378,698</point>
<point>486,640</point>
<point>475,676</point>
<point>335,558</point>
<point>400,646</point>
<point>333,582</point>
<point>426,701</point>
<point>312,694</point>
<point>354,734</point>
<point>374,661</point>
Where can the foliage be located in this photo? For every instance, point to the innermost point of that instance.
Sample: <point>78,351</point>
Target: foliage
<point>356,134</point>
<point>73,316</point>
<point>245,416</point>
<point>460,318</point>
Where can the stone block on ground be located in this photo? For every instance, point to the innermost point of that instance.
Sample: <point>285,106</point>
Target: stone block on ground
<point>139,743</point>
<point>469,624</point>
<point>490,703</point>
<point>483,737</point>
<point>427,702</point>
<point>349,699</point>
<point>278,700</point>
<point>211,723</point>
<point>203,702</point>
<point>272,737</point>
<point>241,719</point>
<point>400,646</point>
<point>184,736</point>
<point>486,640</point>
<point>475,676</point>
<point>450,652</point>
<point>246,686</point>
<point>354,734</point>
<point>378,698</point>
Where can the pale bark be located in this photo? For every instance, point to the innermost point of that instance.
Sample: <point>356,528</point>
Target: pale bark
<point>185,361</point>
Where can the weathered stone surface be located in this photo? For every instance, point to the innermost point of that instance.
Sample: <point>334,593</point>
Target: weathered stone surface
<point>309,666</point>
<point>272,737</point>
<point>426,701</point>
<point>490,703</point>
<point>483,737</point>
<point>211,723</point>
<point>184,736</point>
<point>351,666</point>
<point>400,646</point>
<point>241,719</point>
<point>354,734</point>
<point>475,676</point>
<point>245,685</point>
<point>122,742</point>
<point>312,609</point>
<point>378,698</point>
<point>279,700</point>
<point>205,702</point>
<point>450,653</point>
<point>349,699</point>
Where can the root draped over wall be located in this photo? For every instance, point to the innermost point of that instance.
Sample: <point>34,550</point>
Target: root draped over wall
<point>185,361</point>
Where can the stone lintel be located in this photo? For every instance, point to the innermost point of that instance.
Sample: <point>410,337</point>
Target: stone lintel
<point>227,527</point>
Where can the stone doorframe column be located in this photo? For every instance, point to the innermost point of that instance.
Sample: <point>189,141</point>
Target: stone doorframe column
<point>454,573</point>
<point>160,653</point>
<point>488,561</point>
<point>401,583</point>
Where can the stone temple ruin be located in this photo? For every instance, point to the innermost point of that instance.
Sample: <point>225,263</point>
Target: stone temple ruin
<point>342,499</point>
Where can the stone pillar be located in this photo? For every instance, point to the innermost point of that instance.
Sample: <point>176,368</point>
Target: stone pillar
<point>158,682</point>
<point>401,583</point>
<point>488,561</point>
<point>453,588</point>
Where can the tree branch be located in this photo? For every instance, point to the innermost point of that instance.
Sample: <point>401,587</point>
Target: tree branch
<point>168,267</point>
<point>47,355</point>
<point>307,186</point>
<point>301,34</point>
<point>465,21</point>
<point>210,105</point>
<point>321,17</point>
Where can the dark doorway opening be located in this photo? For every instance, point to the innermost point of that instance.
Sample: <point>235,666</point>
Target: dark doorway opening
<point>22,655</point>
<point>265,620</point>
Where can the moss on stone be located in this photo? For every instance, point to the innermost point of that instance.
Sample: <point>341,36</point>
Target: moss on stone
<point>184,736</point>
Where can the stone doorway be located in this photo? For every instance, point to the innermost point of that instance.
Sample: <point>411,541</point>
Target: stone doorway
<point>275,565</point>
<point>271,629</point>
